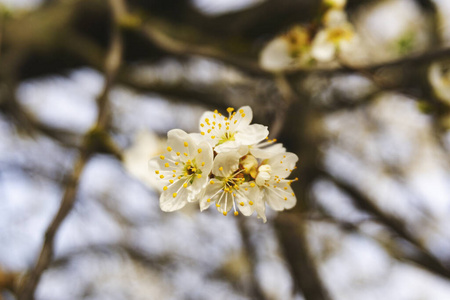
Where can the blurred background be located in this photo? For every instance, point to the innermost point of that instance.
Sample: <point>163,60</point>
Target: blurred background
<point>358,89</point>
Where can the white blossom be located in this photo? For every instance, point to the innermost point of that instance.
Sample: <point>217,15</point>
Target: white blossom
<point>229,188</point>
<point>276,190</point>
<point>183,170</point>
<point>228,133</point>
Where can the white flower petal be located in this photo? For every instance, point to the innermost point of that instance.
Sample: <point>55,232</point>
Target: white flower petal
<point>174,198</point>
<point>225,164</point>
<point>279,198</point>
<point>267,152</point>
<point>282,164</point>
<point>182,143</point>
<point>322,49</point>
<point>244,116</point>
<point>227,146</point>
<point>246,195</point>
<point>252,134</point>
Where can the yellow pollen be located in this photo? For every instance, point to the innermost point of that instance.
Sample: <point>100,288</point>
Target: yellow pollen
<point>215,111</point>
<point>186,144</point>
<point>285,188</point>
<point>211,182</point>
<point>174,195</point>
<point>202,133</point>
<point>176,164</point>
<point>281,161</point>
<point>230,109</point>
<point>162,157</point>
<point>209,130</point>
<point>293,194</point>
<point>252,184</point>
<point>250,202</point>
<point>243,115</point>
<point>171,181</point>
<point>203,125</point>
<point>246,189</point>
<point>274,140</point>
<point>166,165</point>
<point>241,111</point>
<point>185,185</point>
<point>226,190</point>
<point>174,171</point>
<point>188,161</point>
<point>224,213</point>
<point>169,149</point>
<point>157,172</point>
<point>185,154</point>
<point>174,175</point>
<point>179,177</point>
<point>296,178</point>
<point>178,153</point>
<point>236,213</point>
<point>225,118</point>
<point>217,205</point>
<point>207,120</point>
<point>221,169</point>
<point>235,121</point>
<point>199,150</point>
<point>214,123</point>
<point>165,188</point>
<point>203,164</point>
<point>161,176</point>
<point>228,127</point>
<point>208,200</point>
<point>213,137</point>
<point>284,156</point>
<point>285,198</point>
<point>241,204</point>
<point>199,176</point>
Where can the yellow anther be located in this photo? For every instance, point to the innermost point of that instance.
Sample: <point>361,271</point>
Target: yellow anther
<point>174,195</point>
<point>221,169</point>
<point>162,157</point>
<point>293,194</point>
<point>203,125</point>
<point>161,176</point>
<point>241,204</point>
<point>165,188</point>
<point>285,198</point>
<point>185,185</point>
<point>252,184</point>
<point>174,175</point>
<point>211,182</point>
<point>241,111</point>
<point>178,153</point>
<point>274,140</point>
<point>202,133</point>
<point>176,164</point>
<point>179,177</point>
<point>243,115</point>
<point>215,111</point>
<point>284,156</point>
<point>214,123</point>
<point>220,125</point>
<point>194,170</point>
<point>208,200</point>
<point>157,172</point>
<point>225,118</point>
<point>207,121</point>
<point>235,121</point>
<point>171,181</point>
<point>234,195</point>
<point>296,178</point>
<point>169,149</point>
<point>224,213</point>
<point>213,137</point>
<point>250,202</point>
<point>228,127</point>
<point>203,164</point>
<point>186,144</point>
<point>230,109</point>
<point>217,205</point>
<point>166,165</point>
<point>285,188</point>
<point>199,150</point>
<point>281,161</point>
<point>246,189</point>
<point>199,176</point>
<point>209,130</point>
<point>188,161</point>
<point>236,213</point>
<point>185,154</point>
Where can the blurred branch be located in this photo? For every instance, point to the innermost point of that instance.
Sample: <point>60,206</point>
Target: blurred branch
<point>112,64</point>
<point>250,253</point>
<point>291,231</point>
<point>425,258</point>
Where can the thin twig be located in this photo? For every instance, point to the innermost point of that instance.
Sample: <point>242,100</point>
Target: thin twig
<point>27,288</point>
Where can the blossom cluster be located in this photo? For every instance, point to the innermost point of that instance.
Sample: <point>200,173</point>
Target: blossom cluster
<point>230,163</point>
<point>306,44</point>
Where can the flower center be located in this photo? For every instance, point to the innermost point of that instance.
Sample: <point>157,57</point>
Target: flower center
<point>228,136</point>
